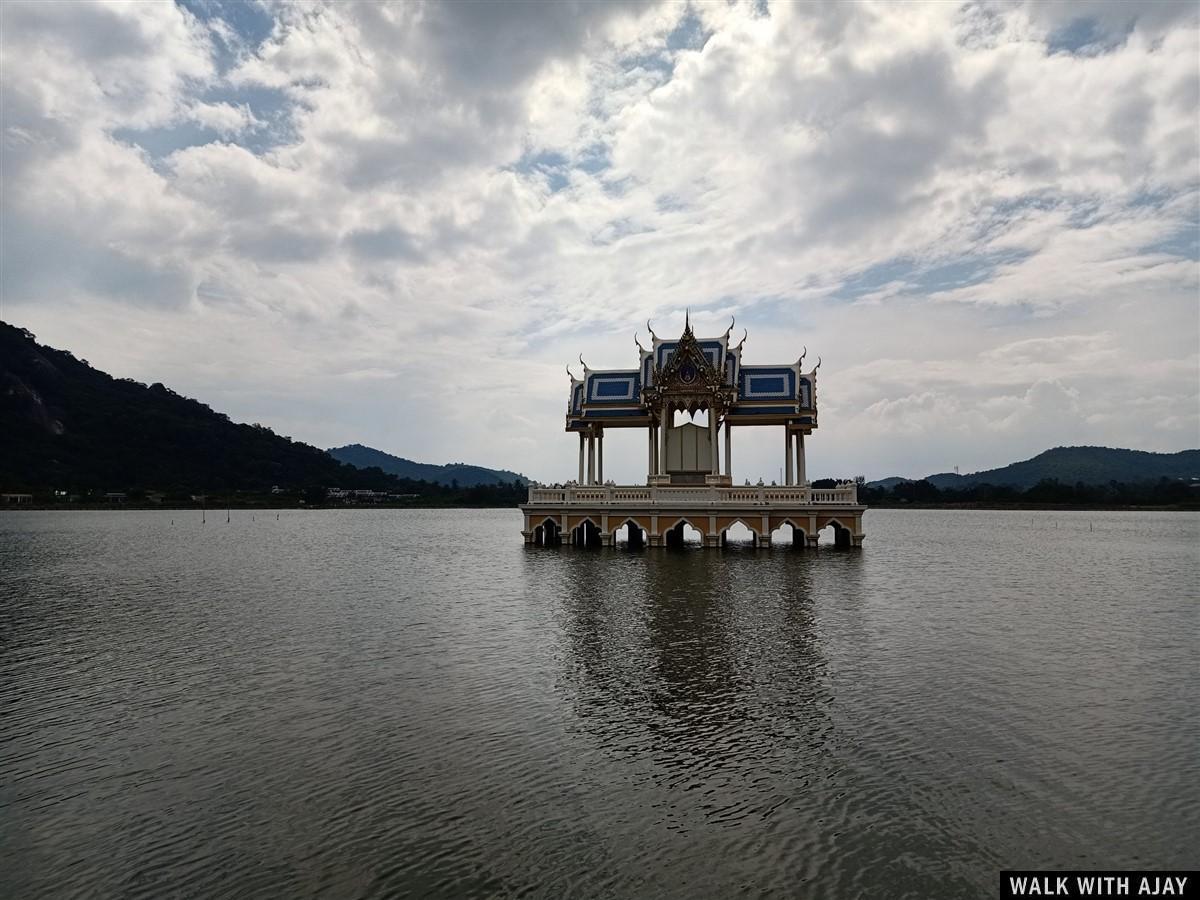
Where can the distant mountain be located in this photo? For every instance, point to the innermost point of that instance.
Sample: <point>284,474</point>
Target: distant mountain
<point>1069,465</point>
<point>465,475</point>
<point>65,425</point>
<point>888,483</point>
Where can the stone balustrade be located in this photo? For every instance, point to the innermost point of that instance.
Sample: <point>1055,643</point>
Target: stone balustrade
<point>845,494</point>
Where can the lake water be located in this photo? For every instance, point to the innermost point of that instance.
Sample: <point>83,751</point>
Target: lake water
<point>412,703</point>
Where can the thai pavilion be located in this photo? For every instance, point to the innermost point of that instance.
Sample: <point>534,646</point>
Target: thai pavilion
<point>686,482</point>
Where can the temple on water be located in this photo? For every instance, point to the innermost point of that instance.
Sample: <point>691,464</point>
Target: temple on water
<point>686,483</point>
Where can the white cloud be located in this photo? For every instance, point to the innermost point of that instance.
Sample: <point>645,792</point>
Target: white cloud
<point>224,118</point>
<point>466,195</point>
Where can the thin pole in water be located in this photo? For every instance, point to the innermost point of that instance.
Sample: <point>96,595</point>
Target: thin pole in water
<point>227,517</point>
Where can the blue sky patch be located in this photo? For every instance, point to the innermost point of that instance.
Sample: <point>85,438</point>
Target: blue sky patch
<point>271,107</point>
<point>1184,243</point>
<point>252,21</point>
<point>875,277</point>
<point>1085,37</point>
<point>917,280</point>
<point>162,142</point>
<point>964,273</point>
<point>650,62</point>
<point>689,33</point>
<point>550,165</point>
<point>594,159</point>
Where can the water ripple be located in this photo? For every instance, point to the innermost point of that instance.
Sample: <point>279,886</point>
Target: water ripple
<point>411,704</point>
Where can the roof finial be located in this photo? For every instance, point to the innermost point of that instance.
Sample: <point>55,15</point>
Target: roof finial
<point>639,343</point>
<point>803,354</point>
<point>743,340</point>
<point>582,363</point>
<point>687,315</point>
<point>818,365</point>
<point>651,330</point>
<point>732,322</point>
<point>570,373</point>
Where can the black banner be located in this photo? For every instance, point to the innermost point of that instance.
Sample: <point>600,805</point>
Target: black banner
<point>1060,883</point>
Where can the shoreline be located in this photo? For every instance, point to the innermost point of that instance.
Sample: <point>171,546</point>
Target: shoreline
<point>140,507</point>
<point>241,507</point>
<point>1046,507</point>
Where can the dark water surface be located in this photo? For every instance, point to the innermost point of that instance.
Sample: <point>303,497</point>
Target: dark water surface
<point>395,703</point>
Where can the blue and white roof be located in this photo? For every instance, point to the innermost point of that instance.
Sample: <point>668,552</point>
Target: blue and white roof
<point>755,394</point>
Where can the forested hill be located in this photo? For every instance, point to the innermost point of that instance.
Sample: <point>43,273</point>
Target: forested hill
<point>1073,465</point>
<point>72,427</point>
<point>451,473</point>
<point>67,426</point>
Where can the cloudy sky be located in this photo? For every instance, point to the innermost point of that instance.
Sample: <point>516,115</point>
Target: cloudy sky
<point>395,224</point>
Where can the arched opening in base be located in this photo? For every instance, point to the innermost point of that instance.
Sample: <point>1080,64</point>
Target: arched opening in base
<point>547,534</point>
<point>682,535</point>
<point>835,534</point>
<point>739,535</point>
<point>789,535</point>
<point>631,535</point>
<point>586,534</point>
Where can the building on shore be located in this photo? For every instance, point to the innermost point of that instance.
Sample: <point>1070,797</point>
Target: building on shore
<point>687,484</point>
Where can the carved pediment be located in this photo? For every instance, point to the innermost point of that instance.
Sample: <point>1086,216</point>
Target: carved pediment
<point>688,369</point>
<point>689,380</point>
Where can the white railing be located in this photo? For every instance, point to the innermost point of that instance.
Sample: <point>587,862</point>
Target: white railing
<point>844,494</point>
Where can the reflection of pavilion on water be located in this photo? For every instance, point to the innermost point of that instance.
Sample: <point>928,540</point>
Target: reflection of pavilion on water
<point>685,484</point>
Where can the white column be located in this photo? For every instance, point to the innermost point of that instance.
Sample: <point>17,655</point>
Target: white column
<point>600,457</point>
<point>787,466</point>
<point>728,451</point>
<point>591,472</point>
<point>650,469</point>
<point>801,475</point>
<point>581,440</point>
<point>713,450</point>
<point>663,425</point>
